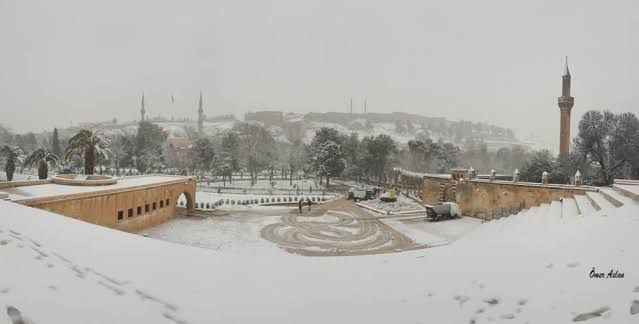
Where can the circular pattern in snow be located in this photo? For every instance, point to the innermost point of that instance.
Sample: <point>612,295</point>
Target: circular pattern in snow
<point>333,233</point>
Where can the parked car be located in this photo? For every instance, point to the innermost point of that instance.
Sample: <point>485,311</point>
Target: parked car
<point>356,193</point>
<point>389,196</point>
<point>442,211</point>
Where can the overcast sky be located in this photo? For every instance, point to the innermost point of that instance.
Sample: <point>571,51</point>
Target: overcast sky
<point>67,61</point>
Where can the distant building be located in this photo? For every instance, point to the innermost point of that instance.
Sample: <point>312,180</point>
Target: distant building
<point>268,118</point>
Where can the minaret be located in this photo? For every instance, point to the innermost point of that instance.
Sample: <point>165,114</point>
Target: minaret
<point>142,109</point>
<point>565,106</point>
<point>200,115</point>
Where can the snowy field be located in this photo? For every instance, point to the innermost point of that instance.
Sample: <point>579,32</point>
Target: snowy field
<point>210,200</point>
<point>237,232</point>
<point>533,267</point>
<point>304,184</point>
<point>402,205</point>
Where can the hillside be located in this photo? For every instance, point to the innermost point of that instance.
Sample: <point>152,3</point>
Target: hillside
<point>290,126</point>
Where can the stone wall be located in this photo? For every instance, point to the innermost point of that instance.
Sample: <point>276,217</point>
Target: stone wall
<point>22,183</point>
<point>129,210</point>
<point>493,199</point>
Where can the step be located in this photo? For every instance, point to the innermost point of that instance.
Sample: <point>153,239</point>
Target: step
<point>569,208</point>
<point>630,191</point>
<point>585,205</point>
<point>599,201</point>
<point>554,212</point>
<point>540,217</point>
<point>617,198</point>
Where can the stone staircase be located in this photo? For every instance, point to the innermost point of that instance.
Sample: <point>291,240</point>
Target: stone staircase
<point>551,216</point>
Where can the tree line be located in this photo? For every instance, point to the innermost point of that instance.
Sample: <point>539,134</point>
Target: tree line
<point>606,147</point>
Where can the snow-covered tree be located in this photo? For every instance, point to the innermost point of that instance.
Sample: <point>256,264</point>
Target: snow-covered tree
<point>91,144</point>
<point>43,158</point>
<point>11,155</point>
<point>149,146</point>
<point>609,140</point>
<point>326,153</point>
<point>203,154</point>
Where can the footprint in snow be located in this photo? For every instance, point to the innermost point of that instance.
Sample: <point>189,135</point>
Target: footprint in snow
<point>491,301</point>
<point>461,299</point>
<point>508,316</point>
<point>636,289</point>
<point>572,264</point>
<point>634,307</point>
<point>590,315</point>
<point>549,266</point>
<point>522,302</point>
<point>15,315</point>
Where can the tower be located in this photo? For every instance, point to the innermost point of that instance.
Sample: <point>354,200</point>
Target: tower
<point>142,109</point>
<point>200,115</point>
<point>565,106</point>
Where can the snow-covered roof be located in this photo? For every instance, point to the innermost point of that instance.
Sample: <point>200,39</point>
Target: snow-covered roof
<point>53,190</point>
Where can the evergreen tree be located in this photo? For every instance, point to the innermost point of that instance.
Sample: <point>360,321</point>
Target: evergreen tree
<point>12,155</point>
<point>203,154</point>
<point>55,143</point>
<point>149,146</point>
<point>327,155</point>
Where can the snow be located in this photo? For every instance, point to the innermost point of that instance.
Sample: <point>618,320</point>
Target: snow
<point>634,189</point>
<point>304,184</point>
<point>236,201</point>
<point>529,267</point>
<point>237,232</point>
<point>403,204</point>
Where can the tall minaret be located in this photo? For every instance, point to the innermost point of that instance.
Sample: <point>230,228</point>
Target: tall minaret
<point>200,115</point>
<point>565,106</point>
<point>142,109</point>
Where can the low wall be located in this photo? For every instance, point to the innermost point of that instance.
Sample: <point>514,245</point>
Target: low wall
<point>22,183</point>
<point>487,199</point>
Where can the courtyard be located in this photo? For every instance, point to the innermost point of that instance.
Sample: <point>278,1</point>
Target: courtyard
<point>333,228</point>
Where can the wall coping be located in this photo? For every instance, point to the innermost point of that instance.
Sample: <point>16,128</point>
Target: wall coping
<point>627,182</point>
<point>92,194</point>
<point>536,185</point>
<point>22,183</point>
<point>81,180</point>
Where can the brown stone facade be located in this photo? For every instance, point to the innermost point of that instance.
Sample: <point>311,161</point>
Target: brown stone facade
<point>131,209</point>
<point>493,199</point>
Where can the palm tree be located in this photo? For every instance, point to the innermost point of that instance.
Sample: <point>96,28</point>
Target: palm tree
<point>12,154</point>
<point>91,145</point>
<point>42,157</point>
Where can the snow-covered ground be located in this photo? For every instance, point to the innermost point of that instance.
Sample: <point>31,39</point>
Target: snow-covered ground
<point>402,205</point>
<point>533,267</point>
<point>211,200</point>
<point>237,232</point>
<point>304,184</point>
